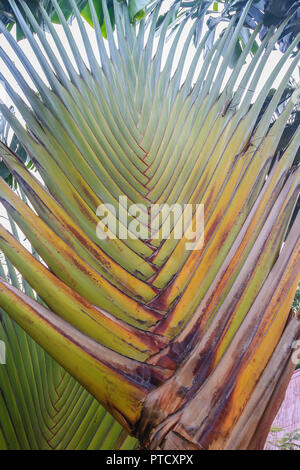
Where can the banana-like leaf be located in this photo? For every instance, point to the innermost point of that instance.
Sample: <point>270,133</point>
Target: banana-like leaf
<point>187,347</point>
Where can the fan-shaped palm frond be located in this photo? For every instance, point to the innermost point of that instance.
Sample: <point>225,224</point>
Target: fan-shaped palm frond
<point>185,348</point>
<point>42,406</point>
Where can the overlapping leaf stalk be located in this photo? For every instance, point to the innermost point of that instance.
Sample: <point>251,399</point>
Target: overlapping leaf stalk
<point>42,406</point>
<point>186,349</point>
